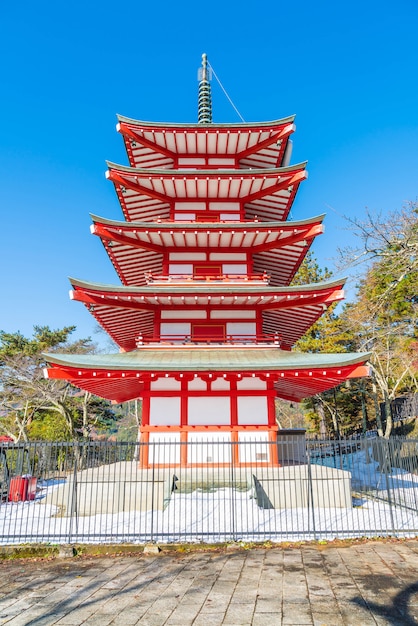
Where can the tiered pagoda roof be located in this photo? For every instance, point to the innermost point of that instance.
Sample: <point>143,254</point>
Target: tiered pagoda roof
<point>218,191</point>
<point>127,313</point>
<point>119,377</point>
<point>150,195</point>
<point>258,145</point>
<point>136,248</point>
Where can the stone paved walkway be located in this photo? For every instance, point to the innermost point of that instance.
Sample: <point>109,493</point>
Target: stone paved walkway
<point>332,585</point>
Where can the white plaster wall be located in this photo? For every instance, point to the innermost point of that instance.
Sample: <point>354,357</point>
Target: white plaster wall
<point>180,268</point>
<point>164,448</point>
<point>254,447</point>
<point>228,314</point>
<point>175,328</point>
<point>234,268</point>
<point>165,384</point>
<point>224,206</point>
<point>219,161</point>
<point>209,410</point>
<point>197,384</point>
<point>191,161</point>
<point>252,410</point>
<point>227,256</point>
<point>209,447</point>
<point>251,383</point>
<point>191,315</point>
<point>181,217</point>
<point>165,411</point>
<point>253,435</point>
<point>187,206</point>
<point>220,384</point>
<point>187,256</point>
<point>228,217</point>
<point>237,328</point>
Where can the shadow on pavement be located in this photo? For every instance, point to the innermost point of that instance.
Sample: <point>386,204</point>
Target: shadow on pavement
<point>397,613</point>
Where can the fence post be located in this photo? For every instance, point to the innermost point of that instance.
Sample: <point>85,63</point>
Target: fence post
<point>387,465</point>
<point>154,443</point>
<point>234,450</point>
<point>311,506</point>
<point>73,507</point>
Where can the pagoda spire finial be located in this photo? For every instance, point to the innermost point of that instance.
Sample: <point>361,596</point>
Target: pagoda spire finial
<point>204,111</point>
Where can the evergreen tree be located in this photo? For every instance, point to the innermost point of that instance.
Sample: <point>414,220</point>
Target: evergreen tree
<point>384,318</point>
<point>33,407</point>
<point>334,411</point>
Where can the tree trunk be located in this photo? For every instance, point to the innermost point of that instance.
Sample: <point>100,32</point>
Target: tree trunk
<point>388,415</point>
<point>322,421</point>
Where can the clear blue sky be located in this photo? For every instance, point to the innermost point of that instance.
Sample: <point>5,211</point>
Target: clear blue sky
<point>348,71</point>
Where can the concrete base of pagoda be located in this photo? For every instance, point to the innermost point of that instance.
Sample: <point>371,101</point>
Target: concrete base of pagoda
<point>123,487</point>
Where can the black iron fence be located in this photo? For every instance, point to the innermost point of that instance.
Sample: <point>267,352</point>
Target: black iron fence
<point>105,492</point>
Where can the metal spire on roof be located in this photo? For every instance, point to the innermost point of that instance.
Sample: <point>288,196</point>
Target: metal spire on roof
<point>204,106</point>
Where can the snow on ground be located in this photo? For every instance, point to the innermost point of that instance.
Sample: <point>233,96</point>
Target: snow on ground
<point>228,514</point>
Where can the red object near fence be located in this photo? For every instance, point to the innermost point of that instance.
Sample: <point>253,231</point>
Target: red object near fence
<point>22,488</point>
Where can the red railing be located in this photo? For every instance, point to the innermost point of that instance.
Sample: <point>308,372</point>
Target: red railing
<point>227,339</point>
<point>167,278</point>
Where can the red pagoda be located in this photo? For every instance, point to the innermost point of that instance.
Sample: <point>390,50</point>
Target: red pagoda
<point>205,317</point>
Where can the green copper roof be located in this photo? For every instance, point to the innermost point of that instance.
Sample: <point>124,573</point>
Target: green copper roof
<point>192,226</point>
<point>218,289</point>
<point>274,171</point>
<point>249,125</point>
<point>196,358</point>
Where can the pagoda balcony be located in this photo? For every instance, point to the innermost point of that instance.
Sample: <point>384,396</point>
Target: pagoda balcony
<point>207,279</point>
<point>208,219</point>
<point>227,340</point>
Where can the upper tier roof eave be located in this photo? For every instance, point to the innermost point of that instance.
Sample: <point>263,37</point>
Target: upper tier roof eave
<point>205,225</point>
<point>207,358</point>
<point>230,287</point>
<point>213,173</point>
<point>213,126</point>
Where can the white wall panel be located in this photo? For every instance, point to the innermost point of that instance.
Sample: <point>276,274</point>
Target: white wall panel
<point>181,217</point>
<point>209,447</point>
<point>254,447</point>
<point>187,256</point>
<point>188,206</point>
<point>165,411</point>
<point>251,382</point>
<point>191,315</point>
<point>229,268</point>
<point>209,410</point>
<point>180,268</point>
<point>197,384</point>
<point>252,410</point>
<point>227,256</point>
<point>220,384</point>
<point>165,384</point>
<point>229,217</point>
<point>228,314</point>
<point>238,328</point>
<point>220,161</point>
<point>224,206</point>
<point>190,161</point>
<point>175,328</point>
<point>166,448</point>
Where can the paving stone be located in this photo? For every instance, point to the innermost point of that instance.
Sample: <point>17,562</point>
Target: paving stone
<point>205,619</point>
<point>239,614</point>
<point>325,619</point>
<point>297,614</point>
<point>154,619</point>
<point>267,619</point>
<point>369,583</point>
